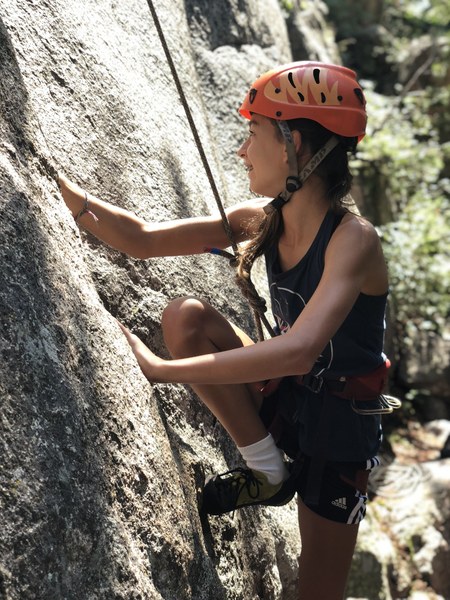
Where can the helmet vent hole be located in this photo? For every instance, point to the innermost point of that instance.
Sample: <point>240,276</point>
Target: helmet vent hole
<point>301,96</point>
<point>277,90</point>
<point>291,80</point>
<point>340,98</point>
<point>359,95</point>
<point>278,113</point>
<point>323,97</point>
<point>316,73</point>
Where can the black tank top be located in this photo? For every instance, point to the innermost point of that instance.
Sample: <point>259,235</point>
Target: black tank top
<point>356,348</point>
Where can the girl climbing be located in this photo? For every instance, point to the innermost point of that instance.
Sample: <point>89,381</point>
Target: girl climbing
<point>314,390</point>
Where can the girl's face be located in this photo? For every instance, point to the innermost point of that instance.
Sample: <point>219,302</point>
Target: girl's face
<point>264,155</point>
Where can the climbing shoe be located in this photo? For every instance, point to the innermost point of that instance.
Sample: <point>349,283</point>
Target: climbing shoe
<point>243,487</point>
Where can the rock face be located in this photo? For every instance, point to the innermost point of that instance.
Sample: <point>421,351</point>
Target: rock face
<point>99,469</point>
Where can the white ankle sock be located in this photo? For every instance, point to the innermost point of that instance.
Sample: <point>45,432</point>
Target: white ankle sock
<point>265,457</point>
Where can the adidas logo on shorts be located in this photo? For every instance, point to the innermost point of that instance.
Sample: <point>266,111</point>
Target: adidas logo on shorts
<point>340,503</point>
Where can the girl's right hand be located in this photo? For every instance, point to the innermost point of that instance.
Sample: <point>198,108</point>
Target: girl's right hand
<point>147,360</point>
<point>72,195</point>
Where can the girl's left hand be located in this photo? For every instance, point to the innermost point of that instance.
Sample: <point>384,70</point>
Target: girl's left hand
<point>149,363</point>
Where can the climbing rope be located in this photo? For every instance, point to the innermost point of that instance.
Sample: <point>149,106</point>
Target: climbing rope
<point>257,303</point>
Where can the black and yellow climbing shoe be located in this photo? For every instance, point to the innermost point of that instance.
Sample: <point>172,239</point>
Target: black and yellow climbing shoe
<point>243,487</point>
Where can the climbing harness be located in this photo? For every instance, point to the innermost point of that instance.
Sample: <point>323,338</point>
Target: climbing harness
<point>356,389</point>
<point>246,286</point>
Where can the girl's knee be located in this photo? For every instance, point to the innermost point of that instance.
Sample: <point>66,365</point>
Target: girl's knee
<point>182,311</point>
<point>183,322</point>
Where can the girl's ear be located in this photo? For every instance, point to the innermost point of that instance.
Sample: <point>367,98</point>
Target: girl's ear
<point>297,137</point>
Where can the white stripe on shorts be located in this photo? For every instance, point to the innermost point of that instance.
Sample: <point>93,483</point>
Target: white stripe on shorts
<point>373,462</point>
<point>357,514</point>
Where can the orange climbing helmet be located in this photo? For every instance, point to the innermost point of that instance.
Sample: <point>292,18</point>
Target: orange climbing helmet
<point>325,93</point>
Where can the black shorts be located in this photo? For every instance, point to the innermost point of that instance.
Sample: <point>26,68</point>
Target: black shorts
<point>343,485</point>
<point>343,490</point>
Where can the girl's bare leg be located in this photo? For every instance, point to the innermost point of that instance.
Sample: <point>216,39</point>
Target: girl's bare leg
<point>326,556</point>
<point>192,327</point>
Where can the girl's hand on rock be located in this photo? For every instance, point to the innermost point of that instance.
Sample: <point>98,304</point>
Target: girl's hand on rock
<point>72,194</point>
<point>148,362</point>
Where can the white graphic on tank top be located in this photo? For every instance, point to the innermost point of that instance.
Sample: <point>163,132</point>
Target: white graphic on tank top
<point>283,326</point>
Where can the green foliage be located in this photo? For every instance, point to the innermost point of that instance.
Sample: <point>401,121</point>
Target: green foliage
<point>379,38</point>
<point>417,251</point>
<point>401,52</point>
<point>402,149</point>
<point>402,145</point>
<point>287,5</point>
<point>404,162</point>
<point>416,15</point>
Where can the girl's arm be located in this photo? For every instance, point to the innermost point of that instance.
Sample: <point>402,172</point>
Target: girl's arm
<point>127,233</point>
<point>354,263</point>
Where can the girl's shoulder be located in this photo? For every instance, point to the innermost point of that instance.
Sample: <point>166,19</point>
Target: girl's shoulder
<point>245,217</point>
<point>253,205</point>
<point>354,227</point>
<point>355,249</point>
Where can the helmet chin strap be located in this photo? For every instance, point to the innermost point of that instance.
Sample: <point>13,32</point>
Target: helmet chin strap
<point>295,180</point>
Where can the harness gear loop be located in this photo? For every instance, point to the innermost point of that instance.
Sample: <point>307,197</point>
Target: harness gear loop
<point>247,285</point>
<point>387,406</point>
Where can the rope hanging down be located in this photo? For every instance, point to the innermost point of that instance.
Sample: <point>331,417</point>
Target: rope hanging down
<point>246,286</point>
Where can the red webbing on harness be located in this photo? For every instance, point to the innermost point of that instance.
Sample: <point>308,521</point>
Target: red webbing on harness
<point>364,387</point>
<point>353,387</point>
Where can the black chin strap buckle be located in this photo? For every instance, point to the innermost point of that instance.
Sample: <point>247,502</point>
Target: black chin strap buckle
<point>293,183</point>
<point>276,204</point>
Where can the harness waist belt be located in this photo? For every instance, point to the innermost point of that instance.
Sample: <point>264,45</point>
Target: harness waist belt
<point>354,387</point>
